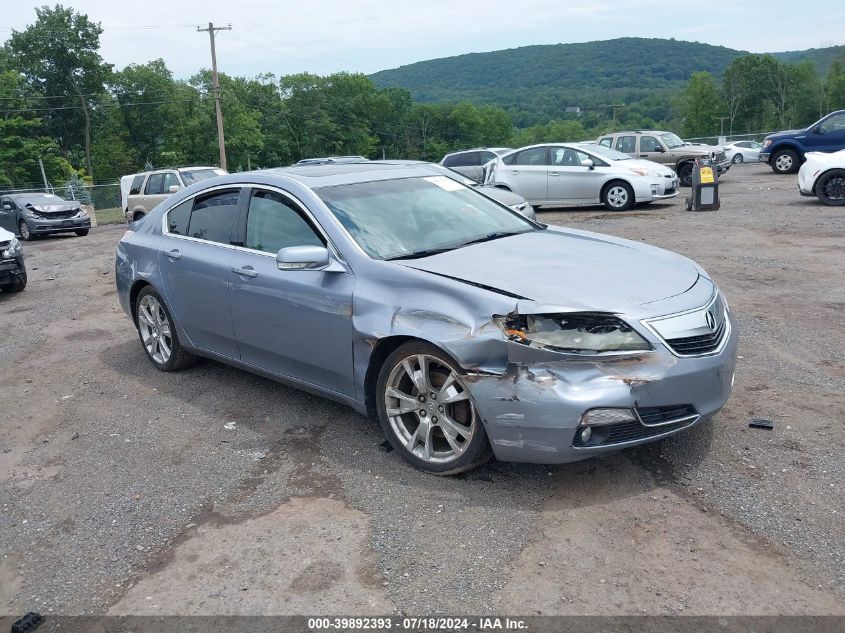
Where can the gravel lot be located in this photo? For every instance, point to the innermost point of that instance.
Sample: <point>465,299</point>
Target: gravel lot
<point>124,492</point>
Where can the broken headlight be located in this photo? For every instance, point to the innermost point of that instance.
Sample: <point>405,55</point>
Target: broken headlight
<point>578,333</point>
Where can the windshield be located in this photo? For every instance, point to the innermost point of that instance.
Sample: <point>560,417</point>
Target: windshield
<point>415,217</point>
<point>606,152</point>
<point>671,140</point>
<point>190,177</point>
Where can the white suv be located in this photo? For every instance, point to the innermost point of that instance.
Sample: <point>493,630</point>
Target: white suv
<point>151,187</point>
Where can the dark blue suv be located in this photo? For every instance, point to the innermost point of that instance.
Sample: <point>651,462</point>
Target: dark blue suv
<point>784,151</point>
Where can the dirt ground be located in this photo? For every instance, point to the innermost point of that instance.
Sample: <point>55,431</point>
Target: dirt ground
<point>212,491</point>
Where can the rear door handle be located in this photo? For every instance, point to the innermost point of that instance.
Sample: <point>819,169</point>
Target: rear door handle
<point>643,155</point>
<point>515,171</point>
<point>174,254</point>
<point>554,173</point>
<point>246,271</point>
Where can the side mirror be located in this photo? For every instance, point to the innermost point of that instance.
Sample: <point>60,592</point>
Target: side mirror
<point>173,188</point>
<point>589,164</point>
<point>306,258</point>
<point>660,149</point>
<point>819,130</point>
<point>7,206</point>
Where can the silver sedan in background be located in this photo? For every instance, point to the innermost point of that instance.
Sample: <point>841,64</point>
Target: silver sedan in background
<point>464,328</point>
<point>557,174</point>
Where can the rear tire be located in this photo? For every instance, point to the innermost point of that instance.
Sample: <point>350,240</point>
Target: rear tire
<point>618,196</point>
<point>830,187</point>
<point>426,412</point>
<point>685,174</point>
<point>82,232</point>
<point>785,162</point>
<point>137,216</point>
<point>737,159</point>
<point>157,332</point>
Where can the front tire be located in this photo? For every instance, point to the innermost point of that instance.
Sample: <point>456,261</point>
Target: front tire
<point>158,333</point>
<point>26,234</point>
<point>685,174</point>
<point>618,196</point>
<point>785,162</point>
<point>426,412</point>
<point>737,159</point>
<point>830,187</point>
<point>17,285</point>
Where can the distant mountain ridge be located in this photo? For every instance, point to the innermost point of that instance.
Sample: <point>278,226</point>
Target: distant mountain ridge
<point>549,77</point>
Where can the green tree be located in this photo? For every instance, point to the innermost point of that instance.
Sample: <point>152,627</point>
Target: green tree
<point>700,105</point>
<point>835,85</point>
<point>59,57</point>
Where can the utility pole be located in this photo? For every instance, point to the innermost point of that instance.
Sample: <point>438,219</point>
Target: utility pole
<point>722,122</point>
<point>215,85</point>
<point>44,176</point>
<point>615,108</point>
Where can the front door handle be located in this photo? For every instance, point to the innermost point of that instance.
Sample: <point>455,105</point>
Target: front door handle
<point>553,173</point>
<point>246,271</point>
<point>643,155</point>
<point>174,254</point>
<point>515,171</point>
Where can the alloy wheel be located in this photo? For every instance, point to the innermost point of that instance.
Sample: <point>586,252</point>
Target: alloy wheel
<point>26,234</point>
<point>783,162</point>
<point>429,410</point>
<point>617,197</point>
<point>834,188</point>
<point>155,329</point>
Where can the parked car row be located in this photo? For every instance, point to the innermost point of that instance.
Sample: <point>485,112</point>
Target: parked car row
<point>785,151</point>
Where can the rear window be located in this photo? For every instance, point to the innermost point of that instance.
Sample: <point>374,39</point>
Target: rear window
<point>137,183</point>
<point>177,218</point>
<point>213,215</point>
<point>464,159</point>
<point>195,175</point>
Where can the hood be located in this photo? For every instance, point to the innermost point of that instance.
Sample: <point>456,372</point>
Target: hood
<point>571,269</point>
<point>646,164</point>
<point>782,134</point>
<point>5,236</point>
<point>56,208</point>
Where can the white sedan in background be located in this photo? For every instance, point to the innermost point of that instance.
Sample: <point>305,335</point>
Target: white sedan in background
<point>556,174</point>
<point>823,175</point>
<point>743,151</point>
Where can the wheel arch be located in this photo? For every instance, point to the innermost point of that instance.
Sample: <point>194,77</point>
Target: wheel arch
<point>383,348</point>
<point>784,146</point>
<point>613,181</point>
<point>134,291</point>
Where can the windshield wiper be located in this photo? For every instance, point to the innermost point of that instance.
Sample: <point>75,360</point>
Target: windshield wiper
<point>422,253</point>
<point>491,236</point>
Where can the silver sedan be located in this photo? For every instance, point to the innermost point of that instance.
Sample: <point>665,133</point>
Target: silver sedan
<point>464,328</point>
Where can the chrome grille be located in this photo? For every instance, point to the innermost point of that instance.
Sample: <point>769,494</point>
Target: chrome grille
<point>692,345</point>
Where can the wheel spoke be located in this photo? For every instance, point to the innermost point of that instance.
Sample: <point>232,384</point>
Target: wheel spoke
<point>416,376</point>
<point>165,329</point>
<point>452,428</point>
<point>427,431</point>
<point>164,348</point>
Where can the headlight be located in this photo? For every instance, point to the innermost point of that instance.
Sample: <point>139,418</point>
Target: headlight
<point>34,211</point>
<point>580,333</point>
<point>766,143</point>
<point>13,249</point>
<point>640,171</point>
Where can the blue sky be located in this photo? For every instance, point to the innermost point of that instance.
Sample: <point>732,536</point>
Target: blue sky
<point>324,36</point>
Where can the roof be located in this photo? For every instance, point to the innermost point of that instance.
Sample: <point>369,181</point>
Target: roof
<point>333,174</point>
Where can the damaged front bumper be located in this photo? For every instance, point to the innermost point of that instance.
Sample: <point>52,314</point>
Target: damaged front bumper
<point>533,411</point>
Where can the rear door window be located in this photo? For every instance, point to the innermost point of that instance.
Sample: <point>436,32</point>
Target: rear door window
<point>533,156</point>
<point>213,215</point>
<point>137,183</point>
<point>626,144</point>
<point>178,217</point>
<point>155,185</point>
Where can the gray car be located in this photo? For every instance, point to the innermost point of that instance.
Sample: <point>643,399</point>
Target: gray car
<point>32,215</point>
<point>463,327</point>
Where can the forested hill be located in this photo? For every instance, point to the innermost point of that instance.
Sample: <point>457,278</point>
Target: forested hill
<point>532,80</point>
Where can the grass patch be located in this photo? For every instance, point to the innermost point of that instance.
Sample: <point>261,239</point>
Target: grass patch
<point>110,216</point>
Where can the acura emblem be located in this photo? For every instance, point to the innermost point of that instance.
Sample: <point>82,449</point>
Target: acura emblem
<point>711,320</point>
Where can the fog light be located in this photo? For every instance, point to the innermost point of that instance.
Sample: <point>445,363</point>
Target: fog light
<point>586,434</point>
<point>598,417</point>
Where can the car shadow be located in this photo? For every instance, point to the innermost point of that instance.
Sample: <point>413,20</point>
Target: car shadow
<point>300,426</point>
